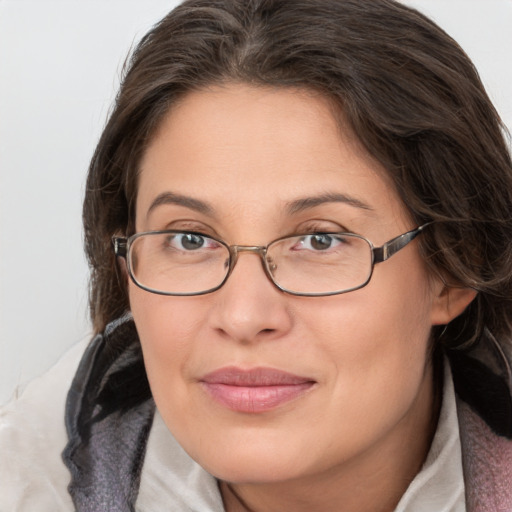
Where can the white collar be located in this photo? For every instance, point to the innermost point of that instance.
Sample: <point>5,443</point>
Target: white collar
<point>171,480</point>
<point>439,485</point>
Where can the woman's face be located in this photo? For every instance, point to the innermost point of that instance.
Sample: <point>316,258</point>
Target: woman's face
<point>255,384</point>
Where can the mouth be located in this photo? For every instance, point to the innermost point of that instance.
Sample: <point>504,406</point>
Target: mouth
<point>256,390</point>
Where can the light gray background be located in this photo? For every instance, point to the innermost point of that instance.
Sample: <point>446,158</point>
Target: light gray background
<point>59,66</point>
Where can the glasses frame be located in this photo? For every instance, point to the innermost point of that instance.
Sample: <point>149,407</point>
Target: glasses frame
<point>121,246</point>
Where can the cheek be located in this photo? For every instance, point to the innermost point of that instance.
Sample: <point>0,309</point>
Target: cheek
<point>385,318</point>
<point>167,327</point>
<point>162,319</point>
<point>375,342</point>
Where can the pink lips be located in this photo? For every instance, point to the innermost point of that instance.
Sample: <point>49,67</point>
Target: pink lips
<point>256,390</point>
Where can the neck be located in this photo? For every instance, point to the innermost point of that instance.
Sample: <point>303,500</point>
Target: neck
<point>374,481</point>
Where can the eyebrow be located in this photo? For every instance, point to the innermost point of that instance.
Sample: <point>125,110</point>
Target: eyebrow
<point>293,207</point>
<point>181,200</point>
<point>306,203</point>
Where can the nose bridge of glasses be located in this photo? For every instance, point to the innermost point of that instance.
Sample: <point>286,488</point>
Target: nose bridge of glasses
<point>259,250</point>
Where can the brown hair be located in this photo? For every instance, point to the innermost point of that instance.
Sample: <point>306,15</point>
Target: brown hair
<point>408,91</point>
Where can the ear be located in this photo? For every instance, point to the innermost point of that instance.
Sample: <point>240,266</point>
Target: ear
<point>450,302</point>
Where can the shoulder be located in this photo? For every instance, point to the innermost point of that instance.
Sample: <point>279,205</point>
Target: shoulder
<point>32,437</point>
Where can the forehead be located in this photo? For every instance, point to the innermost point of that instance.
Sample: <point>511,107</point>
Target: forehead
<point>254,149</point>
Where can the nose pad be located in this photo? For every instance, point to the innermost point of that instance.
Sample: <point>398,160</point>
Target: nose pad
<point>271,265</point>
<point>266,261</point>
<point>249,306</point>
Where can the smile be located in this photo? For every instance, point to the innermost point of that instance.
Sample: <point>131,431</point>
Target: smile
<point>254,391</point>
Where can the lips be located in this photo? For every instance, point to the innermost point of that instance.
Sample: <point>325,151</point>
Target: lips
<point>256,390</point>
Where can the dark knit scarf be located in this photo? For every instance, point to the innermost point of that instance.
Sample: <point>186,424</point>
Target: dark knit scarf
<point>109,413</point>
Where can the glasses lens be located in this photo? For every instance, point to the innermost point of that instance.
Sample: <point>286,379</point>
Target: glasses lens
<point>178,263</point>
<point>320,263</point>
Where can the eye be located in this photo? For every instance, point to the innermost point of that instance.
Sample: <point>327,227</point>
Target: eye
<point>190,242</point>
<point>319,242</point>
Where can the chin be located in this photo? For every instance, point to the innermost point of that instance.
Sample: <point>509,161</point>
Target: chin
<point>250,455</point>
<point>253,468</point>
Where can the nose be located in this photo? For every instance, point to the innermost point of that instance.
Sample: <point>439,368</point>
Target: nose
<point>249,307</point>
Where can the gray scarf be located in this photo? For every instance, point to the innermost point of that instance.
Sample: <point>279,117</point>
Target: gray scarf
<point>109,412</point>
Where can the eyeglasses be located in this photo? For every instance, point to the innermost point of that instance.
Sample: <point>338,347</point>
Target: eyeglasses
<point>313,264</point>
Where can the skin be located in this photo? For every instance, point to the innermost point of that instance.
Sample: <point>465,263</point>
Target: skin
<point>361,433</point>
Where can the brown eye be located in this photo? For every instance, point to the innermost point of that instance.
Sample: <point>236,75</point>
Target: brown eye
<point>320,242</point>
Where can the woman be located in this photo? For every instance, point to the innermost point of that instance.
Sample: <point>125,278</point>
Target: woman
<point>298,212</point>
